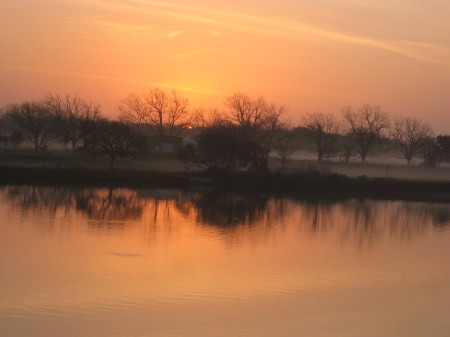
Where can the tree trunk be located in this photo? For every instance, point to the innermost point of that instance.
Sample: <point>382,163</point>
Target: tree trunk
<point>111,162</point>
<point>347,157</point>
<point>283,162</point>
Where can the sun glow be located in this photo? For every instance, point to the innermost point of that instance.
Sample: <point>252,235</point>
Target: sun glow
<point>306,55</point>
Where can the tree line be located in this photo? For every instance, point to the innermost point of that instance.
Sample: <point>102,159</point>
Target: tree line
<point>241,137</point>
<point>70,120</point>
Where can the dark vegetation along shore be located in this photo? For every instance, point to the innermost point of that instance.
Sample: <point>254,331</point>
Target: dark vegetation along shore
<point>251,146</point>
<point>311,184</point>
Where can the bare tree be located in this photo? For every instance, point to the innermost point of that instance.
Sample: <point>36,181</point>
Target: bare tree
<point>346,147</point>
<point>258,120</point>
<point>410,136</point>
<point>34,121</point>
<point>114,139</point>
<point>284,145</point>
<point>273,120</point>
<point>323,129</point>
<point>432,153</point>
<point>135,110</point>
<point>246,111</point>
<point>365,126</point>
<point>257,117</point>
<point>158,102</point>
<point>166,113</point>
<point>443,141</point>
<point>177,112</point>
<point>5,128</point>
<point>73,114</point>
<point>207,117</point>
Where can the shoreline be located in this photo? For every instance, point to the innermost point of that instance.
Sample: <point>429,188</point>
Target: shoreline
<point>310,184</point>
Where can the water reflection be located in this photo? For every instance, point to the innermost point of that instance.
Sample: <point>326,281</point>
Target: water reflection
<point>109,262</point>
<point>226,210</point>
<point>32,197</point>
<point>110,205</point>
<point>252,216</point>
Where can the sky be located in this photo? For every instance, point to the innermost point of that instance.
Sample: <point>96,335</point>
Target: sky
<point>312,55</point>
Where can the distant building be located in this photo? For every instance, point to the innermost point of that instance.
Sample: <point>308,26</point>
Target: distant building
<point>164,143</point>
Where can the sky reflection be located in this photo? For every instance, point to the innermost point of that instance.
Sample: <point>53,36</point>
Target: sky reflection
<point>118,262</point>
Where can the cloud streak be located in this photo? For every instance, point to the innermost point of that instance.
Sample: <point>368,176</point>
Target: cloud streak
<point>267,25</point>
<point>105,23</point>
<point>174,34</point>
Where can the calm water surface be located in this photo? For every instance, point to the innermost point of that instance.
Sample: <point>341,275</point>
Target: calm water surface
<point>122,262</point>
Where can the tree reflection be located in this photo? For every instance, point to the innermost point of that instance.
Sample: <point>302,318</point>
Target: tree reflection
<point>32,197</point>
<point>237,217</point>
<point>365,222</point>
<point>97,204</point>
<point>316,215</point>
<point>225,210</point>
<point>110,204</point>
<point>441,216</point>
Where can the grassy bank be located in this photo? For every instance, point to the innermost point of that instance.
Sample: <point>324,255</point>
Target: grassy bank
<point>89,177</point>
<point>373,170</point>
<point>66,167</point>
<point>68,159</point>
<point>310,183</point>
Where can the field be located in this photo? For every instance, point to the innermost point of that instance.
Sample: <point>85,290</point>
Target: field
<point>164,162</point>
<point>404,172</point>
<point>386,165</point>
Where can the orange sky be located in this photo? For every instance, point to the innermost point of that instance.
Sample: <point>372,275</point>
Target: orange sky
<point>308,54</point>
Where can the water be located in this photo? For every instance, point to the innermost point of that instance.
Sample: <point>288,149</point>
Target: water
<point>120,262</point>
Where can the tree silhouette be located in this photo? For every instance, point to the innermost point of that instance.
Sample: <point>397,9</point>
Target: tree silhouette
<point>410,136</point>
<point>72,115</point>
<point>444,144</point>
<point>114,139</point>
<point>162,112</point>
<point>34,120</point>
<point>365,126</point>
<point>284,145</point>
<point>323,129</point>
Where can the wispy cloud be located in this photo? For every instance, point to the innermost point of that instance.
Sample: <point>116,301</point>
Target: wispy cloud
<point>259,24</point>
<point>174,34</point>
<point>424,45</point>
<point>105,23</point>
